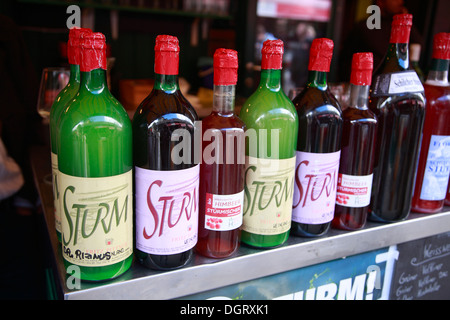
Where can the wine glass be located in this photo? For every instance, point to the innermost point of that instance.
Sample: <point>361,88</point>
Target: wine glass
<point>53,80</point>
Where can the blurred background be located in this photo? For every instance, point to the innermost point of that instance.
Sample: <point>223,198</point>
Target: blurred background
<point>131,27</point>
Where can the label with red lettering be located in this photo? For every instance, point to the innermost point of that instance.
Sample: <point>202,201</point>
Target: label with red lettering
<point>316,176</point>
<point>353,191</point>
<point>166,210</point>
<point>223,212</point>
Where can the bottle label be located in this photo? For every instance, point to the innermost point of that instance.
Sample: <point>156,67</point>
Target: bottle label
<point>223,212</point>
<point>316,176</point>
<point>354,191</point>
<point>166,210</point>
<point>96,219</point>
<point>390,84</point>
<point>268,191</point>
<point>437,169</point>
<point>56,204</point>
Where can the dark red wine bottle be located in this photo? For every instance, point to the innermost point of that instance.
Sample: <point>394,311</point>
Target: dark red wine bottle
<point>357,153</point>
<point>166,175</point>
<point>398,101</point>
<point>318,147</point>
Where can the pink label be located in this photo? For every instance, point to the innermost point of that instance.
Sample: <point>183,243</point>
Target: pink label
<point>166,210</point>
<point>223,212</point>
<point>353,191</point>
<point>316,176</point>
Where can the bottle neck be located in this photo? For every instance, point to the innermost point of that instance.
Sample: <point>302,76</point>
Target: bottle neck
<point>397,58</point>
<point>359,96</point>
<point>74,73</point>
<point>317,79</point>
<point>223,100</point>
<point>94,81</point>
<point>439,71</point>
<point>166,83</point>
<point>271,79</point>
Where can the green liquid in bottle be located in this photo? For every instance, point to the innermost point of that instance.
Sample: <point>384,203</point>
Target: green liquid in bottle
<point>95,164</point>
<point>268,197</point>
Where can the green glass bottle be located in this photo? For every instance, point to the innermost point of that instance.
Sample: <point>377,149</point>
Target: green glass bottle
<point>272,126</point>
<point>95,174</point>
<point>66,95</point>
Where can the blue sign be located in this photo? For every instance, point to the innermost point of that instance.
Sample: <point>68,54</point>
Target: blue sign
<point>364,276</point>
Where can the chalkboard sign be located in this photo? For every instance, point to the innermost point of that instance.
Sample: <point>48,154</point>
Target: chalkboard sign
<point>422,271</point>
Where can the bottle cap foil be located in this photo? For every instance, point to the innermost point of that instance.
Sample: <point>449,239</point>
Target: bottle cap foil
<point>401,28</point>
<point>167,53</point>
<point>320,54</point>
<point>362,66</point>
<point>73,45</point>
<point>225,67</point>
<point>93,51</point>
<point>272,54</point>
<point>441,46</point>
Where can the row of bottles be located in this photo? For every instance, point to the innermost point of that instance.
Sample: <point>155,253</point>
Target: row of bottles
<point>280,168</point>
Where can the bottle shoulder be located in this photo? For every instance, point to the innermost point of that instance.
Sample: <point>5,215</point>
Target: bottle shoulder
<point>392,63</point>
<point>161,104</point>
<point>63,98</point>
<point>401,100</point>
<point>359,116</point>
<point>437,101</point>
<point>315,101</point>
<point>219,121</point>
<point>392,67</point>
<point>356,113</point>
<point>90,110</point>
<point>437,90</point>
<point>268,104</point>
